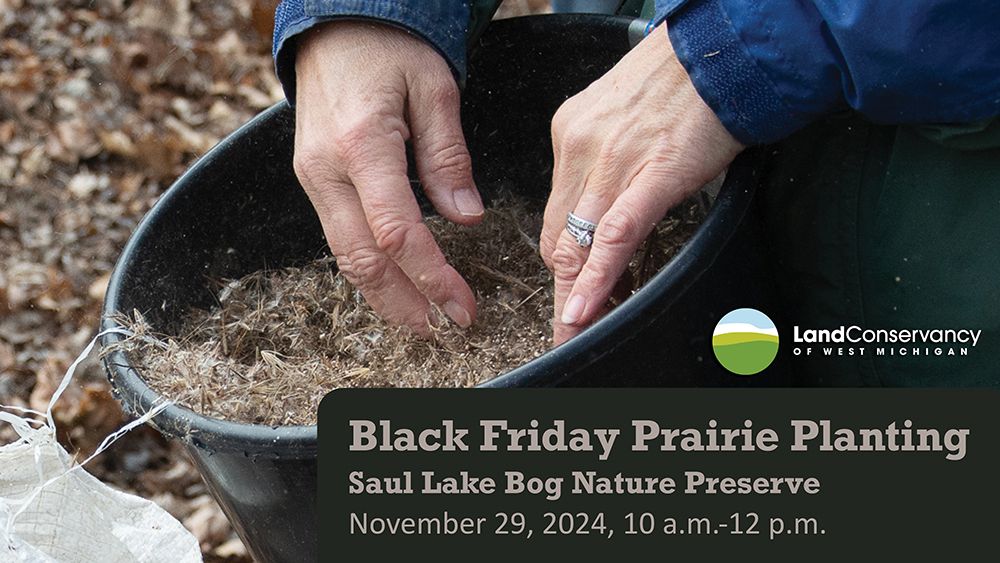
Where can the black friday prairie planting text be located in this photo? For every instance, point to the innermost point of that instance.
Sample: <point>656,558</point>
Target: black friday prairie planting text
<point>649,435</point>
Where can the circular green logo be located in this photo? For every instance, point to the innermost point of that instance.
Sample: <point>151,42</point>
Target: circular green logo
<point>745,341</point>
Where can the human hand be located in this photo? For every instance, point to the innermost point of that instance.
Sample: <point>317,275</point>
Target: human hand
<point>629,147</point>
<point>364,90</point>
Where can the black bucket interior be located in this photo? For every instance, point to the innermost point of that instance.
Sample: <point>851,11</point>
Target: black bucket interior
<point>240,209</point>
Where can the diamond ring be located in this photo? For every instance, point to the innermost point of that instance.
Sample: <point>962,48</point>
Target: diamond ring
<point>581,229</point>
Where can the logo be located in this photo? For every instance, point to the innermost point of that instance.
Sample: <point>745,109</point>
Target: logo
<point>745,341</point>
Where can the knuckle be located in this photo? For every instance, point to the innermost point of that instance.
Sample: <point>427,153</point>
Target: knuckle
<point>547,260</point>
<point>567,262</point>
<point>386,94</point>
<point>601,187</point>
<point>564,118</point>
<point>566,109</point>
<point>617,229</point>
<point>609,159</point>
<point>391,234</point>
<point>349,142</point>
<point>443,92</point>
<point>312,164</point>
<point>545,249</point>
<point>363,267</point>
<point>559,122</point>
<point>575,138</point>
<point>361,145</point>
<point>450,157</point>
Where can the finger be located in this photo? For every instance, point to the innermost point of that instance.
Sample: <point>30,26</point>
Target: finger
<point>378,171</point>
<point>570,259</point>
<point>622,291</point>
<point>612,175</point>
<point>567,185</point>
<point>572,146</point>
<point>382,283</point>
<point>442,159</point>
<point>620,232</point>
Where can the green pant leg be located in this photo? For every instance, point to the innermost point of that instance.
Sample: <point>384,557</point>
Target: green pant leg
<point>890,227</point>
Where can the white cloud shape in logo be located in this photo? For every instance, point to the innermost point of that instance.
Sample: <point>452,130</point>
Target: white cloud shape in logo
<point>724,328</point>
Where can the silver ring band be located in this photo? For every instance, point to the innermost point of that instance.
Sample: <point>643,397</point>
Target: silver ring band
<point>580,222</point>
<point>581,229</point>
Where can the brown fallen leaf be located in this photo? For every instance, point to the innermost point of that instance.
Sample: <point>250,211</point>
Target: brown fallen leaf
<point>93,414</point>
<point>99,287</point>
<point>78,138</point>
<point>117,143</point>
<point>6,132</point>
<point>208,523</point>
<point>46,381</point>
<point>7,357</point>
<point>231,548</point>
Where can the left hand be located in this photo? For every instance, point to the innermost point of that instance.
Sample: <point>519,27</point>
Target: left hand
<point>629,147</point>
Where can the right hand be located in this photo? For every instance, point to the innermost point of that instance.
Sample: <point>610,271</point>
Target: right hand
<point>363,90</point>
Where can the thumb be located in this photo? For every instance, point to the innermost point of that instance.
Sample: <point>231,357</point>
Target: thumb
<point>443,161</point>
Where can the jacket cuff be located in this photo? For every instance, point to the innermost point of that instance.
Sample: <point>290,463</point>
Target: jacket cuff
<point>443,24</point>
<point>725,75</point>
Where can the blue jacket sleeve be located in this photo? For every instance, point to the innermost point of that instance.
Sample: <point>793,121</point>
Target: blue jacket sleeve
<point>442,23</point>
<point>769,67</point>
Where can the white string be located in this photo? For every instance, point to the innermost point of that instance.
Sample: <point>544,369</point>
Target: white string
<point>20,424</point>
<point>72,369</point>
<point>47,428</point>
<point>25,411</point>
<point>62,384</point>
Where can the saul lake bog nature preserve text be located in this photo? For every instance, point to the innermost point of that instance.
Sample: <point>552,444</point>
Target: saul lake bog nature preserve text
<point>580,483</point>
<point>650,435</point>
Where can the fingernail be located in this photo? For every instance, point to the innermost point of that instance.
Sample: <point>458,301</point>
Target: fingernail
<point>573,309</point>
<point>458,314</point>
<point>468,203</point>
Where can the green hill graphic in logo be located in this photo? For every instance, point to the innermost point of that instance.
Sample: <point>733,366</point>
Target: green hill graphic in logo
<point>745,341</point>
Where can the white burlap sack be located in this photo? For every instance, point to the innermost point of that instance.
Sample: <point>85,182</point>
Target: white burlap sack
<point>51,510</point>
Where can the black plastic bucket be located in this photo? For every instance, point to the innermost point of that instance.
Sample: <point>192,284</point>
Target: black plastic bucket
<point>240,209</point>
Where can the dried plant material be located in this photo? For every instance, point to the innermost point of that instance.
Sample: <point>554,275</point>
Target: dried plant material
<point>280,340</point>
